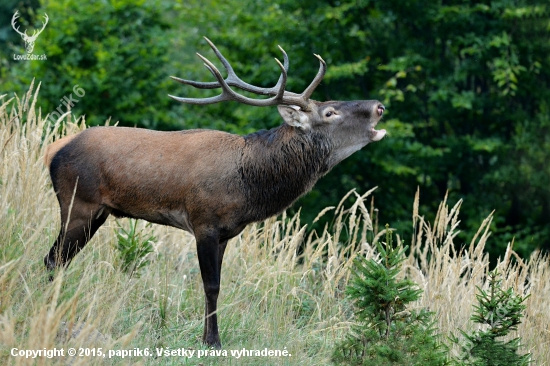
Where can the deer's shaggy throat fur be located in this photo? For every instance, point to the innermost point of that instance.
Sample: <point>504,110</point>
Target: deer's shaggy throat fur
<point>280,165</point>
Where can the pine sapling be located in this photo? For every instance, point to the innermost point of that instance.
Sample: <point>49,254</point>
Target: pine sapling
<point>387,333</point>
<point>500,312</point>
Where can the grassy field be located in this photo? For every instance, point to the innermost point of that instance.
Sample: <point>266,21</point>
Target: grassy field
<point>271,297</point>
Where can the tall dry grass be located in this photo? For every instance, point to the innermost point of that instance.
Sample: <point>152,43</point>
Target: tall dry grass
<point>273,295</point>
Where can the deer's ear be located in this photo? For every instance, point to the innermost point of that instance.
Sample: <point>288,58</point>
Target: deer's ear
<point>295,117</point>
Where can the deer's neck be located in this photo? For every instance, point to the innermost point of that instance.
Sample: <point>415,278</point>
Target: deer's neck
<point>280,165</point>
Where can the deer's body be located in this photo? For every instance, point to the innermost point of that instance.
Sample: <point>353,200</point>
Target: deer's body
<point>184,184</point>
<point>210,183</point>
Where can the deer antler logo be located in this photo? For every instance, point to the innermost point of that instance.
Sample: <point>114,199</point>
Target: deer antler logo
<point>29,40</point>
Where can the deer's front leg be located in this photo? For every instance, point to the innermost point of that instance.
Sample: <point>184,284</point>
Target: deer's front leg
<point>208,254</point>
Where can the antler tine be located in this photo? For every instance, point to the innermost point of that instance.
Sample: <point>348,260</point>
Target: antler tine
<point>285,67</point>
<point>234,80</point>
<point>202,101</point>
<point>281,84</point>
<point>230,72</point>
<point>285,58</point>
<point>197,84</point>
<point>199,101</point>
<point>320,75</point>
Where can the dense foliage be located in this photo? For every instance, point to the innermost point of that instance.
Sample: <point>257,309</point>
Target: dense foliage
<point>466,85</point>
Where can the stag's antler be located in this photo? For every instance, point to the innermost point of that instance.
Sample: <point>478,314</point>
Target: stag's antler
<point>278,93</point>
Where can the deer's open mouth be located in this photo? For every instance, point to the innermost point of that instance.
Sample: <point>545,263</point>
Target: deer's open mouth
<point>377,135</point>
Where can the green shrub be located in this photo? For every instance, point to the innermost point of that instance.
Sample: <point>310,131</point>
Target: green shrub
<point>501,311</point>
<point>387,333</point>
<point>133,247</point>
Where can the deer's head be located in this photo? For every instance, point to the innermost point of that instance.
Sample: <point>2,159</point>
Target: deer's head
<point>348,124</point>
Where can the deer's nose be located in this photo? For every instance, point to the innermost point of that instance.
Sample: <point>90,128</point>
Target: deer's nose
<point>381,109</point>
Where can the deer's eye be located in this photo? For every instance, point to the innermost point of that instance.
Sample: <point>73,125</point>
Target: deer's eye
<point>329,113</point>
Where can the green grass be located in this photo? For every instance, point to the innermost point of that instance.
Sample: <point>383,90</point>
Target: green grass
<point>270,296</point>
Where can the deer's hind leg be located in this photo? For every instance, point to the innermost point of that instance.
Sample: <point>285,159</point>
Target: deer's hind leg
<point>78,225</point>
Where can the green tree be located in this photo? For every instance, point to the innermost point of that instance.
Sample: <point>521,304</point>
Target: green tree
<point>500,312</point>
<point>116,53</point>
<point>387,333</point>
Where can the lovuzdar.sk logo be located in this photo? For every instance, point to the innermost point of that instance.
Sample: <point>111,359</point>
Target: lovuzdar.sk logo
<point>29,40</point>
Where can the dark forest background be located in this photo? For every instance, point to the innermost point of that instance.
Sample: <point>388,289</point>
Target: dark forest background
<point>466,85</point>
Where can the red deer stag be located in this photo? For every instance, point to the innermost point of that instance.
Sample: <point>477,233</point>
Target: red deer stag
<point>209,183</point>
